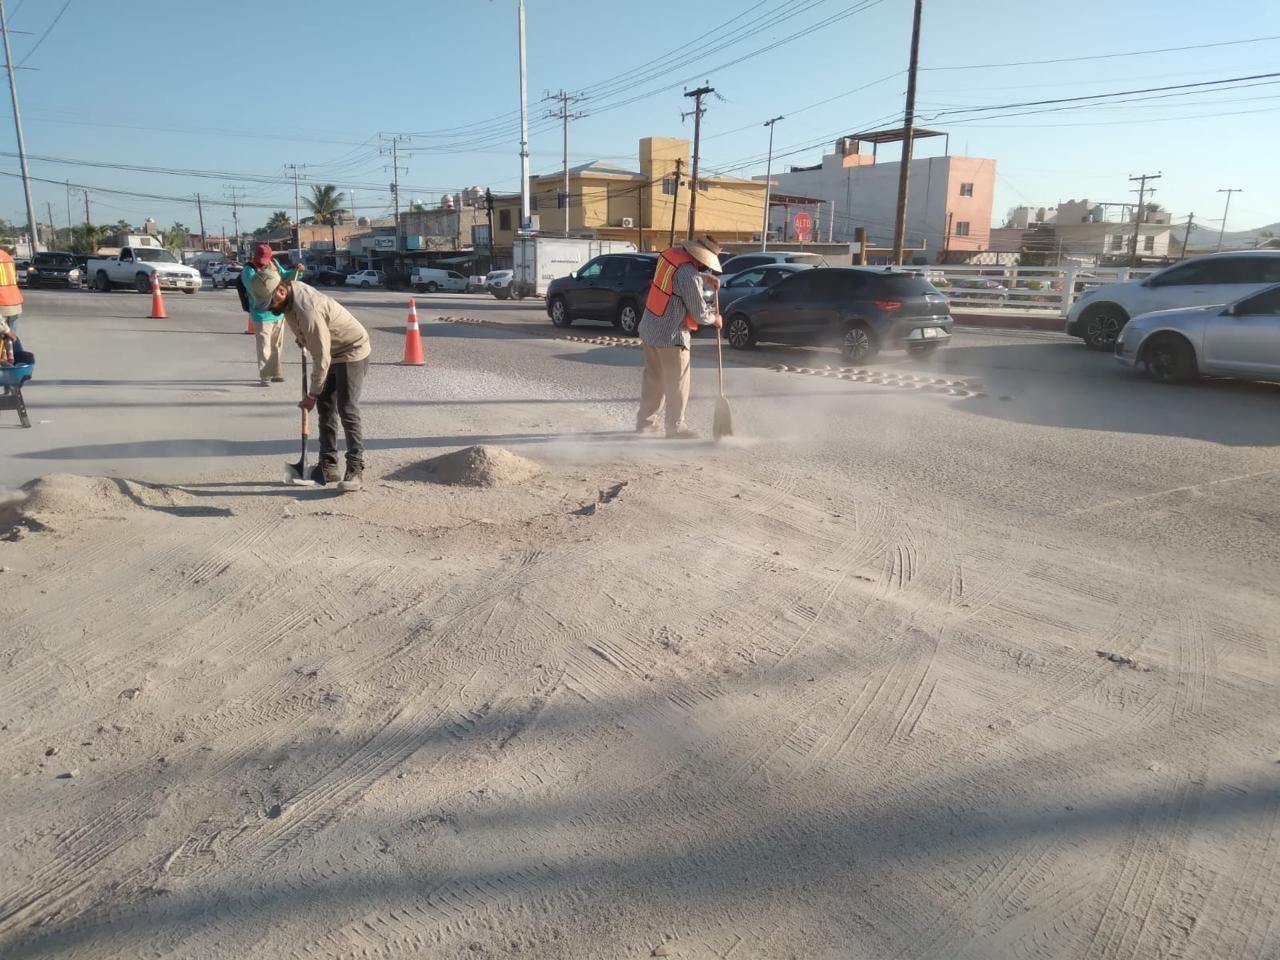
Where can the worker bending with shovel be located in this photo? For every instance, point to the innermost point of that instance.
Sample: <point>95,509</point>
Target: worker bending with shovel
<point>339,348</point>
<point>675,307</point>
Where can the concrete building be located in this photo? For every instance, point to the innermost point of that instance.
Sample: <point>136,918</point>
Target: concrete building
<point>1085,231</point>
<point>948,205</point>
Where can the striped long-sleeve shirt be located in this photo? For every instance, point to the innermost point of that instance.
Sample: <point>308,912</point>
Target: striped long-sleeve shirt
<point>669,330</point>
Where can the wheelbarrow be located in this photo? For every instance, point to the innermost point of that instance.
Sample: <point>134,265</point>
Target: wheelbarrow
<point>11,380</point>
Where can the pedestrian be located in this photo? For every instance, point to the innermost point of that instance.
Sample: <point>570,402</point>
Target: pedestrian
<point>10,297</point>
<point>675,306</point>
<point>339,348</point>
<point>268,331</point>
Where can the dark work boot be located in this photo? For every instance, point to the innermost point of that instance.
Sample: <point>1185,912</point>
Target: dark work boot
<point>354,480</point>
<point>324,473</point>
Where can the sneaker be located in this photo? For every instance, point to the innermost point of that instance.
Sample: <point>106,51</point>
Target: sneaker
<point>277,379</point>
<point>353,481</point>
<point>684,433</point>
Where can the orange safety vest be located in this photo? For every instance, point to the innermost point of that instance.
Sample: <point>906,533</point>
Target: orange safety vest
<point>10,292</point>
<point>664,279</point>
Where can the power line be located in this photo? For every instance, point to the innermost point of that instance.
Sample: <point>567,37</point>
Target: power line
<point>1102,56</point>
<point>43,36</point>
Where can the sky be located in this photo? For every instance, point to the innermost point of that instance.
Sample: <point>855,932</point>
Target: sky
<point>237,90</point>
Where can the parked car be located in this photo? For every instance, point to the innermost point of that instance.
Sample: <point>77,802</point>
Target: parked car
<point>82,262</point>
<point>1239,340</point>
<point>431,279</point>
<point>755,280</point>
<point>977,288</point>
<point>366,278</point>
<point>610,288</point>
<point>475,283</point>
<point>745,261</point>
<point>224,273</point>
<point>20,268</point>
<point>323,276</point>
<point>1100,313</point>
<point>862,309</point>
<point>498,282</point>
<point>53,269</point>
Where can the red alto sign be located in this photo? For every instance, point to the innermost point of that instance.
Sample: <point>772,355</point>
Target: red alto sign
<point>802,223</point>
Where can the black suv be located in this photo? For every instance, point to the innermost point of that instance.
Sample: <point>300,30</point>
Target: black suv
<point>862,309</point>
<point>53,269</point>
<point>611,288</point>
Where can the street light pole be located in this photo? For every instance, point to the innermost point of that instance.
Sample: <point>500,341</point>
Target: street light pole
<point>526,220</point>
<point>17,124</point>
<point>1225,210</point>
<point>768,172</point>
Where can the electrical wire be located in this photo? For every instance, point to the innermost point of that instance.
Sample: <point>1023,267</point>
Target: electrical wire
<point>44,36</point>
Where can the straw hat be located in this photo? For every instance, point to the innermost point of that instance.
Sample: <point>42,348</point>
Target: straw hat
<point>705,249</point>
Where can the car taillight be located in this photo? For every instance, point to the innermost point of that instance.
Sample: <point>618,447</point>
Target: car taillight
<point>889,305</point>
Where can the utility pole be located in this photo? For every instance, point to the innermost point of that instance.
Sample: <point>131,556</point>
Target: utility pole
<point>1141,179</point>
<point>86,208</point>
<point>52,229</point>
<point>17,125</point>
<point>675,204</point>
<point>235,218</point>
<point>908,137</point>
<point>697,146</point>
<point>1222,231</point>
<point>200,209</point>
<point>396,140</point>
<point>562,114</point>
<point>69,227</point>
<point>640,221</point>
<point>1186,237</point>
<point>488,209</point>
<point>768,172</point>
<point>526,219</point>
<point>297,206</point>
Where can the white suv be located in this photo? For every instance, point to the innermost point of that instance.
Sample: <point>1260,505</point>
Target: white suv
<point>1099,314</point>
<point>365,278</point>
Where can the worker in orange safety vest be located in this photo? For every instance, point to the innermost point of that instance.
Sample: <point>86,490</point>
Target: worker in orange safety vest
<point>10,296</point>
<point>675,306</point>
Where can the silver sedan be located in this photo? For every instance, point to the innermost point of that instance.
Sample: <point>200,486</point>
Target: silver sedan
<point>1240,340</point>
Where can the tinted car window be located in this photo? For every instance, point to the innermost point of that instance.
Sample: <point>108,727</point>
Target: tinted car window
<point>797,285</point>
<point>748,279</point>
<point>832,283</point>
<point>899,285</point>
<point>613,269</point>
<point>1220,270</point>
<point>640,270</point>
<point>1257,269</point>
<point>1266,302</point>
<point>745,262</point>
<point>591,270</point>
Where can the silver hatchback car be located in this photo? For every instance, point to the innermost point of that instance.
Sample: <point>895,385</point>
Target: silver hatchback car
<point>1239,340</point>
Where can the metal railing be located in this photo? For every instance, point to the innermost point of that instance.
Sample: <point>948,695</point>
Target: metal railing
<point>1039,289</point>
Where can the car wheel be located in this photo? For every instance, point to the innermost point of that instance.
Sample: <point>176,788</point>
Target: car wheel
<point>859,345</point>
<point>501,296</point>
<point>102,283</point>
<point>432,287</point>
<point>364,284</point>
<point>740,333</point>
<point>922,351</point>
<point>1102,325</point>
<point>188,292</point>
<point>1171,359</point>
<point>629,318</point>
<point>560,313</point>
<point>419,288</point>
<point>142,283</point>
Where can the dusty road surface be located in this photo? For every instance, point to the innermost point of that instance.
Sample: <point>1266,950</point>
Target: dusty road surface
<point>979,669</point>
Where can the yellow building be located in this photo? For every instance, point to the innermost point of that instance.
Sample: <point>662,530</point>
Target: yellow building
<point>618,204</point>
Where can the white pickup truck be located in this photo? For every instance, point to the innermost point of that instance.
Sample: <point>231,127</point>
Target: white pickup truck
<point>134,267</point>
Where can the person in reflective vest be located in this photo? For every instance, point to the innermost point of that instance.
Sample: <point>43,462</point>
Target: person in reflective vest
<point>675,306</point>
<point>10,296</point>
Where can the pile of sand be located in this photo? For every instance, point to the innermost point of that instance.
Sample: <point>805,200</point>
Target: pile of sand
<point>478,467</point>
<point>60,499</point>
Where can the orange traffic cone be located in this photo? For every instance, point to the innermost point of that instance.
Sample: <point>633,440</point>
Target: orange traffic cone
<point>248,324</point>
<point>157,300</point>
<point>413,339</point>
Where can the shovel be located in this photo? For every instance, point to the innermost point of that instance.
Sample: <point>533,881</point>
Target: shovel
<point>296,473</point>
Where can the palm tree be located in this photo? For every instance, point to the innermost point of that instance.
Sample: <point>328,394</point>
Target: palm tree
<point>324,204</point>
<point>279,221</point>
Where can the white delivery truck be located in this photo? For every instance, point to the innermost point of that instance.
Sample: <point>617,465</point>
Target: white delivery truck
<point>537,261</point>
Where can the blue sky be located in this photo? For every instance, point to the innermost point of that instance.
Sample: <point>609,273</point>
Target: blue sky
<point>242,89</point>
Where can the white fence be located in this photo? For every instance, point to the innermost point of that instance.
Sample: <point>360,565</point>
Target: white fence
<point>1040,289</point>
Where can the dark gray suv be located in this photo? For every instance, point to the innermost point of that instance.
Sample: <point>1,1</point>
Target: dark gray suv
<point>611,288</point>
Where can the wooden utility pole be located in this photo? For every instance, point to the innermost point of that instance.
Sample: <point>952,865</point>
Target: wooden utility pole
<point>675,204</point>
<point>1141,179</point>
<point>17,126</point>
<point>697,145</point>
<point>1186,237</point>
<point>640,221</point>
<point>488,209</point>
<point>908,136</point>
<point>200,210</point>
<point>1225,211</point>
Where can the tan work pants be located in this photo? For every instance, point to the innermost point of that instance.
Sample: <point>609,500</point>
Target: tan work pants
<point>666,377</point>
<point>270,338</point>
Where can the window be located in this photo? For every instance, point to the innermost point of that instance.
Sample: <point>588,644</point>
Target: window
<point>1197,272</point>
<point>1258,269</point>
<point>704,185</point>
<point>455,275</point>
<point>669,186</point>
<point>504,219</point>
<point>966,189</point>
<point>563,200</point>
<point>748,279</point>
<point>591,270</point>
<point>613,268</point>
<point>1266,302</point>
<point>962,228</point>
<point>1148,244</point>
<point>1117,241</point>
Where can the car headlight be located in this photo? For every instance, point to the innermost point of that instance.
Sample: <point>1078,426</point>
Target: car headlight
<point>73,272</point>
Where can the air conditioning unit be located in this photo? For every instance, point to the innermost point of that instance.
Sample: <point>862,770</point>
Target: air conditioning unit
<point>628,223</point>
